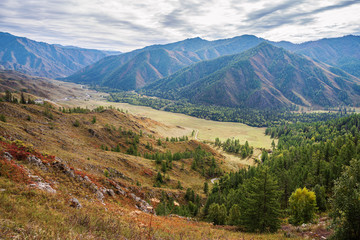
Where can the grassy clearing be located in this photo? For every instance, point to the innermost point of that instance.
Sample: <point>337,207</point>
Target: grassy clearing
<point>208,130</point>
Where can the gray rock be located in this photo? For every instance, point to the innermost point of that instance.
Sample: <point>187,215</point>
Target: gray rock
<point>75,203</point>
<point>141,204</point>
<point>87,179</point>
<point>119,190</point>
<point>8,156</point>
<point>63,167</point>
<point>93,188</point>
<point>34,160</point>
<point>110,192</point>
<point>99,195</point>
<point>79,178</point>
<point>43,186</point>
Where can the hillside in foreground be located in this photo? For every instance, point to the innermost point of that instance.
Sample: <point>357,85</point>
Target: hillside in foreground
<point>103,172</point>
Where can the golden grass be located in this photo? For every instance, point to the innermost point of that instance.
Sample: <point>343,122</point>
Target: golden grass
<point>33,214</point>
<point>208,130</point>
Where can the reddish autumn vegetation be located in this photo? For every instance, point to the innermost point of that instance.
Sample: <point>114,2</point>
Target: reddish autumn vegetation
<point>21,151</point>
<point>13,171</point>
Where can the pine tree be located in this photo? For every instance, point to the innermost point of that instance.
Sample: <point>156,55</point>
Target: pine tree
<point>206,188</point>
<point>234,215</point>
<point>261,203</point>
<point>346,203</point>
<point>8,96</point>
<point>22,98</point>
<point>217,213</point>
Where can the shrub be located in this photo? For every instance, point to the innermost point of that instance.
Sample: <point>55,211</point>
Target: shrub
<point>76,123</point>
<point>302,205</point>
<point>2,118</point>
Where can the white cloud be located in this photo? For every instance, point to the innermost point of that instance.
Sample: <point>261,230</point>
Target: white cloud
<point>126,25</point>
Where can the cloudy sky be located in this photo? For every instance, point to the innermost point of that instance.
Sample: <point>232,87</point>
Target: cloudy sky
<point>125,25</point>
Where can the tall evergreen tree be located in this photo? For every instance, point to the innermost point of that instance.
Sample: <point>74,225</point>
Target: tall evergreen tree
<point>22,98</point>
<point>261,203</point>
<point>346,203</point>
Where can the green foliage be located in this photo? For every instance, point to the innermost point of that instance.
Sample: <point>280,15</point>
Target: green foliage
<point>234,215</point>
<point>302,205</point>
<point>179,185</point>
<point>234,146</point>
<point>310,154</point>
<point>47,112</point>
<point>217,214</point>
<point>261,203</point>
<point>264,156</point>
<point>22,98</point>
<point>206,188</point>
<point>93,121</point>
<point>106,173</point>
<point>159,178</point>
<point>346,203</point>
<point>320,197</point>
<point>169,206</point>
<point>249,116</point>
<point>8,96</point>
<point>76,123</point>
<point>2,118</point>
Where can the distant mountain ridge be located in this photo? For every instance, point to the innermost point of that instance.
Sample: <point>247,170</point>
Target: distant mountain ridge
<point>42,59</point>
<point>133,70</point>
<point>262,77</point>
<point>224,72</point>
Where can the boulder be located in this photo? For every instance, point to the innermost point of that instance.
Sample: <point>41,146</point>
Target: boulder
<point>99,195</point>
<point>75,203</point>
<point>58,164</point>
<point>43,186</point>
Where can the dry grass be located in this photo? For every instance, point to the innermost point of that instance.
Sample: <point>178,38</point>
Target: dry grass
<point>208,130</point>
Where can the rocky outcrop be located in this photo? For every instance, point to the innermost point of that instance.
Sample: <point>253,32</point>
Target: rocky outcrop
<point>141,204</point>
<point>75,203</point>
<point>41,184</point>
<point>36,162</point>
<point>59,165</point>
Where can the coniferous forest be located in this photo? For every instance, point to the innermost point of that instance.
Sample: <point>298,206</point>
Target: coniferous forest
<point>322,158</point>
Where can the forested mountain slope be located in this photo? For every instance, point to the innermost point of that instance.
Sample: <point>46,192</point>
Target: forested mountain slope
<point>262,77</point>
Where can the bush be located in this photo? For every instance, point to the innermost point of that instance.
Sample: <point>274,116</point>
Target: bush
<point>302,205</point>
<point>76,123</point>
<point>2,118</point>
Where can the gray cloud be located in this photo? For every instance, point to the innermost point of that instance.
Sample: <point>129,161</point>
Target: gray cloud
<point>272,9</point>
<point>124,25</point>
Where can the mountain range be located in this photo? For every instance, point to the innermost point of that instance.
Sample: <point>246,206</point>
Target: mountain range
<point>241,71</point>
<point>45,60</point>
<point>262,77</point>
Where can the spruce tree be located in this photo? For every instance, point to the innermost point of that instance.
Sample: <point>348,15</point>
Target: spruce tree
<point>346,203</point>
<point>22,98</point>
<point>261,203</point>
